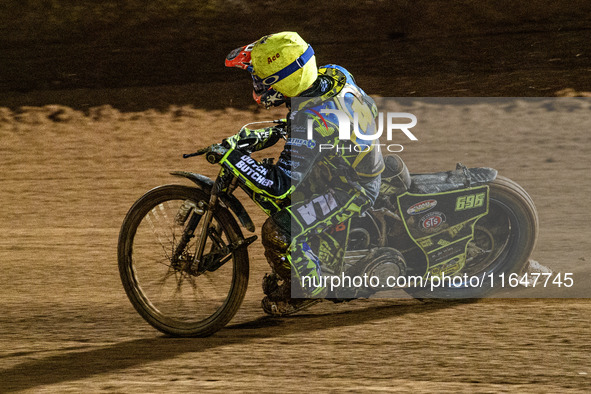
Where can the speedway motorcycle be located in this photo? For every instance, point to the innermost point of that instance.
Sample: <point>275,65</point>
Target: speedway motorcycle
<point>183,257</point>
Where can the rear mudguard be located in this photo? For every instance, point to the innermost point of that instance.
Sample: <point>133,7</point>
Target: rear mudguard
<point>460,178</point>
<point>204,183</point>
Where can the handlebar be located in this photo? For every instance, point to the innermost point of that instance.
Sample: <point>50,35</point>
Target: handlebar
<point>282,123</point>
<point>215,152</point>
<point>198,153</point>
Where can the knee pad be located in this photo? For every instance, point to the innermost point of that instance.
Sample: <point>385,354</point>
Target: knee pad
<point>274,236</point>
<point>276,241</point>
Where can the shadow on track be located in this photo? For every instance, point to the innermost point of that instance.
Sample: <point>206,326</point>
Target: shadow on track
<point>84,364</point>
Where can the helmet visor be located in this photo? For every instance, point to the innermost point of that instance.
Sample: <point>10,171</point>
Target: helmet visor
<point>262,93</point>
<point>240,58</point>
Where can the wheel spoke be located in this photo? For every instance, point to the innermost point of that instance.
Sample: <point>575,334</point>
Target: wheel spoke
<point>175,300</point>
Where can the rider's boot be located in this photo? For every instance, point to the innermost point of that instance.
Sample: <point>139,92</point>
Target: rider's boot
<point>278,301</point>
<point>277,289</point>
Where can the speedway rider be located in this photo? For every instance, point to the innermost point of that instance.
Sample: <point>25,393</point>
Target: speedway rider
<point>346,178</point>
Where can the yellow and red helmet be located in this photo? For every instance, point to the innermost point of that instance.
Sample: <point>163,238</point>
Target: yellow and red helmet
<point>281,65</point>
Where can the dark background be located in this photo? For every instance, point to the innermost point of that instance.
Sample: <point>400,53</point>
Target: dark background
<point>136,55</point>
<point>137,67</point>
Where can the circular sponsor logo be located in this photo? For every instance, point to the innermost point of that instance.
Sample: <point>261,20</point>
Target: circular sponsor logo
<point>432,221</point>
<point>421,207</point>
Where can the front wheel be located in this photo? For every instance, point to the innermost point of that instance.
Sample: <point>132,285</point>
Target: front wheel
<point>503,241</point>
<point>160,277</point>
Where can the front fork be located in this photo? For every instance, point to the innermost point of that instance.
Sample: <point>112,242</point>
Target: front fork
<point>220,252</point>
<point>197,263</point>
<point>201,211</point>
<point>217,187</point>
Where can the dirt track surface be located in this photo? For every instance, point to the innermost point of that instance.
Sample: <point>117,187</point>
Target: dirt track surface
<point>72,165</point>
<point>66,324</point>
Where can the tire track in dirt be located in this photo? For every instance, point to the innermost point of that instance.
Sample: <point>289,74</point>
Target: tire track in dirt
<point>68,180</point>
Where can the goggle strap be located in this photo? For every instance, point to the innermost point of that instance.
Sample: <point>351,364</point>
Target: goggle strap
<point>290,69</point>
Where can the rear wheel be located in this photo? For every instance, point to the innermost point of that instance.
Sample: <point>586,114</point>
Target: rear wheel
<point>503,241</point>
<point>160,277</point>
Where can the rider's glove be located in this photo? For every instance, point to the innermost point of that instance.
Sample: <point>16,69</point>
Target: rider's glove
<point>281,128</point>
<point>231,142</point>
<point>244,139</point>
<point>253,140</point>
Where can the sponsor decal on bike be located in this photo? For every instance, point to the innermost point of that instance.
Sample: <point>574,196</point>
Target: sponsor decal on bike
<point>250,168</point>
<point>448,268</point>
<point>432,221</point>
<point>445,253</point>
<point>425,243</point>
<point>453,231</point>
<point>421,207</point>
